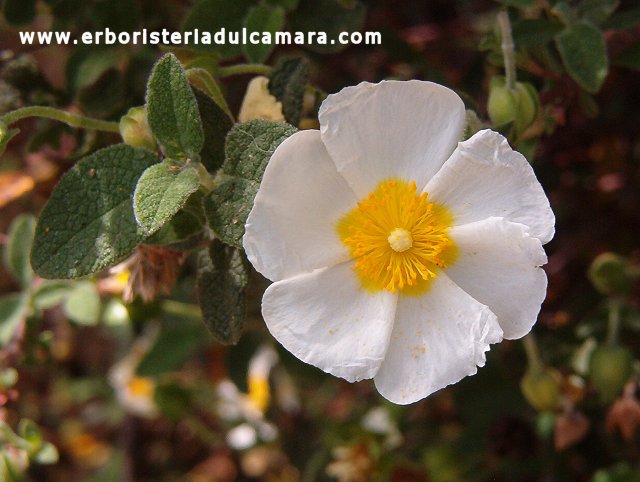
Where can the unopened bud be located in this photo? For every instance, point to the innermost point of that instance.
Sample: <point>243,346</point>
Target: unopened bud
<point>610,368</point>
<point>611,274</point>
<point>135,131</point>
<point>541,388</point>
<point>518,105</point>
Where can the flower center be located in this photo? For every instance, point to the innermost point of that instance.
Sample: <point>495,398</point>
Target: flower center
<point>398,238</point>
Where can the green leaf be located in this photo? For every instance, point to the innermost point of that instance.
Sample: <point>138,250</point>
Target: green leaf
<point>50,294</point>
<point>584,55</point>
<point>31,433</point>
<point>16,254</point>
<point>88,223</point>
<point>623,19</point>
<point>286,4</point>
<point>172,111</point>
<point>262,18</point>
<point>330,16</point>
<point>215,15</point>
<point>222,279</point>
<point>518,3</point>
<point>163,189</point>
<point>183,232</point>
<point>629,57</point>
<point>249,147</point>
<point>204,81</point>
<point>287,82</point>
<point>13,309</point>
<point>174,346</point>
<point>529,33</point>
<point>19,12</point>
<point>597,11</point>
<point>83,303</point>
<point>227,208</point>
<point>216,124</point>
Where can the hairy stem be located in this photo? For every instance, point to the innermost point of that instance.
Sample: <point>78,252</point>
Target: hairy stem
<point>73,120</point>
<point>508,52</point>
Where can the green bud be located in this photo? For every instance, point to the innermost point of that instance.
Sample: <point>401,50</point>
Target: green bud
<point>610,368</point>
<point>135,131</point>
<point>541,388</point>
<point>611,274</point>
<point>518,105</point>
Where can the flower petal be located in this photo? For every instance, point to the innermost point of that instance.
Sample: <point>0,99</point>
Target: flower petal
<point>292,226</point>
<point>391,129</point>
<point>437,340</point>
<point>499,265</point>
<point>485,177</point>
<point>327,319</point>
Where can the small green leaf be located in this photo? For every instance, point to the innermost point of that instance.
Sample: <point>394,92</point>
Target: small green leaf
<point>214,15</point>
<point>13,309</point>
<point>623,19</point>
<point>174,346</point>
<point>204,81</point>
<point>88,222</point>
<point>629,57</point>
<point>222,279</point>
<point>19,12</point>
<point>584,55</point>
<point>163,189</point>
<point>83,304</point>
<point>250,146</point>
<point>16,254</point>
<point>50,294</point>
<point>287,82</point>
<point>172,111</point>
<point>262,18</point>
<point>183,232</point>
<point>529,33</point>
<point>328,16</point>
<point>518,3</point>
<point>286,4</point>
<point>31,433</point>
<point>216,124</point>
<point>597,11</point>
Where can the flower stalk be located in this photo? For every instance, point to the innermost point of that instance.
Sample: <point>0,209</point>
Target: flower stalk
<point>241,69</point>
<point>533,353</point>
<point>73,120</point>
<point>614,322</point>
<point>508,50</point>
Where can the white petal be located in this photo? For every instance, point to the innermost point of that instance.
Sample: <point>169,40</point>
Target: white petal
<point>327,319</point>
<point>485,177</point>
<point>437,340</point>
<point>499,265</point>
<point>391,129</point>
<point>292,226</point>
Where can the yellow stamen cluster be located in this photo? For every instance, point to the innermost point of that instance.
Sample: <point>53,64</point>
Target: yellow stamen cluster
<point>398,238</point>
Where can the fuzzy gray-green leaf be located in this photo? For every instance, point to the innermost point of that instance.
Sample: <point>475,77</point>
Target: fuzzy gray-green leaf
<point>172,111</point>
<point>287,82</point>
<point>250,145</point>
<point>13,309</point>
<point>584,55</point>
<point>88,222</point>
<point>222,279</point>
<point>216,124</point>
<point>163,189</point>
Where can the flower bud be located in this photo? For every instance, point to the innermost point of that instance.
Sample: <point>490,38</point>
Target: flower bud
<point>611,274</point>
<point>610,368</point>
<point>518,105</point>
<point>541,388</point>
<point>135,131</point>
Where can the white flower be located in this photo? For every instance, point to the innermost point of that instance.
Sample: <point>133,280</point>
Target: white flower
<point>396,252</point>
